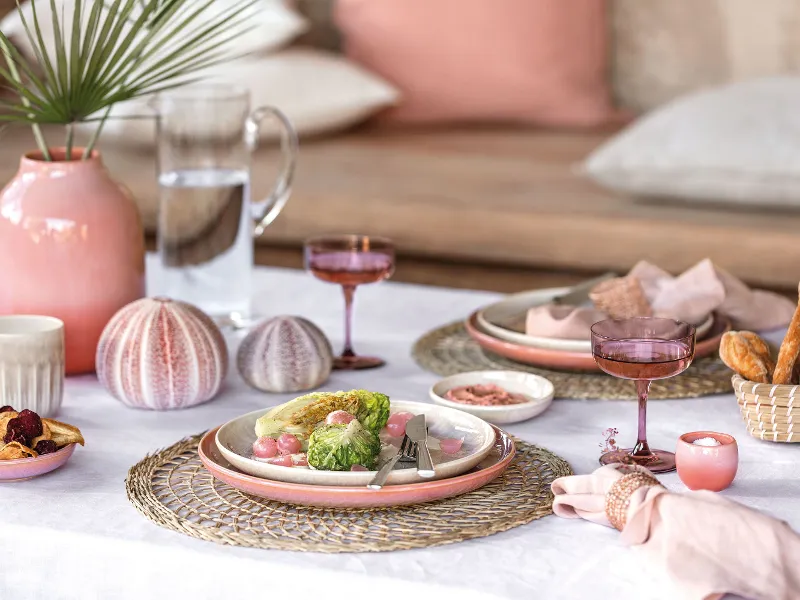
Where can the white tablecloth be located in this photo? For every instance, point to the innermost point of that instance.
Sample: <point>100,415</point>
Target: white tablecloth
<point>73,535</point>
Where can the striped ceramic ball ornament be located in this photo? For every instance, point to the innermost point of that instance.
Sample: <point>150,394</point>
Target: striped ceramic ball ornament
<point>285,354</point>
<point>162,354</point>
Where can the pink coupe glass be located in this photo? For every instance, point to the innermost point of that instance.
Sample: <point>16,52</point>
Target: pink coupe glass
<point>350,260</point>
<point>643,349</point>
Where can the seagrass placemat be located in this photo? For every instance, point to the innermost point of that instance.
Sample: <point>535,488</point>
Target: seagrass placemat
<point>173,489</point>
<point>450,350</point>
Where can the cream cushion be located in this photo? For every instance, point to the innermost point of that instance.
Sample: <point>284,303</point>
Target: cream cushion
<point>318,91</point>
<point>736,143</point>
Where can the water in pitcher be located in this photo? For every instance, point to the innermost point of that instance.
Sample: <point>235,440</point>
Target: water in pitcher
<point>206,240</point>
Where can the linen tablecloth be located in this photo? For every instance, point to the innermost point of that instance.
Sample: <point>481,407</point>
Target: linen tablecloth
<point>73,535</point>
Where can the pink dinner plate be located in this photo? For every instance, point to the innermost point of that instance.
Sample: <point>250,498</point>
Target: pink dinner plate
<point>575,361</point>
<point>21,469</point>
<point>327,496</point>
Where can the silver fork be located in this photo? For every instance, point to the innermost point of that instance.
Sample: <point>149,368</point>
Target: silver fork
<point>407,451</point>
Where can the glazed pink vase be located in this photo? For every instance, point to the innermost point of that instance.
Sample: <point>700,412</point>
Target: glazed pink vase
<point>71,247</point>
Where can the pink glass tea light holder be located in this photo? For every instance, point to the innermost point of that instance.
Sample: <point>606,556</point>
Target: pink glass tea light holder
<point>710,468</point>
<point>642,349</point>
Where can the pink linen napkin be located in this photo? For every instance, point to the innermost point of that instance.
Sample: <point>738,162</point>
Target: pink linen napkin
<point>688,297</point>
<point>707,544</point>
<point>565,322</point>
<point>705,287</point>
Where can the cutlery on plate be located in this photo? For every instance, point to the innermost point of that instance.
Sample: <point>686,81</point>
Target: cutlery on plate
<point>405,450</point>
<point>579,294</point>
<point>417,431</point>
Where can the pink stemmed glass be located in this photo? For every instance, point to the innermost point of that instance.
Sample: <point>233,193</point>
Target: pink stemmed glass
<point>350,260</point>
<point>643,349</point>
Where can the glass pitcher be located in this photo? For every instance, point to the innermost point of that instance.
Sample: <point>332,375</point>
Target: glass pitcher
<point>206,136</point>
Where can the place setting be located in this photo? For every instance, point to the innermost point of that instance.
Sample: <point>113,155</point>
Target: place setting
<point>548,332</point>
<point>382,474</point>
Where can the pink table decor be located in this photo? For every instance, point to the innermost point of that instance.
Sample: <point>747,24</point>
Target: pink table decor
<point>71,247</point>
<point>22,469</point>
<point>643,349</point>
<point>574,361</point>
<point>707,467</point>
<point>350,261</point>
<point>332,496</point>
<point>706,544</point>
<point>285,354</point>
<point>162,354</point>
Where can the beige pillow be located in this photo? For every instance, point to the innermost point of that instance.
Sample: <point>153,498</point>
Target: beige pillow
<point>666,48</point>
<point>319,92</point>
<point>736,143</point>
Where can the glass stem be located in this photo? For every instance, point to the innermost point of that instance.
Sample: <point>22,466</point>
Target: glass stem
<point>349,292</point>
<point>641,448</point>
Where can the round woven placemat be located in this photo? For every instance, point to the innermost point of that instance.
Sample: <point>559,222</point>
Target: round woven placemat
<point>449,350</point>
<point>173,489</point>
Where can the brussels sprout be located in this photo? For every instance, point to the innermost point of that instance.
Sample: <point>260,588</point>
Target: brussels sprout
<point>339,447</point>
<point>373,409</point>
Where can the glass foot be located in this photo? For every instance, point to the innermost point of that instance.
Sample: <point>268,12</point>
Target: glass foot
<point>353,363</point>
<point>659,461</point>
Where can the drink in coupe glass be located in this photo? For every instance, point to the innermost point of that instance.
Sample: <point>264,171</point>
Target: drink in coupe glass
<point>643,349</point>
<point>350,260</point>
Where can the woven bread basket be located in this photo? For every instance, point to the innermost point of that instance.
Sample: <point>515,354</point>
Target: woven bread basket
<point>771,412</point>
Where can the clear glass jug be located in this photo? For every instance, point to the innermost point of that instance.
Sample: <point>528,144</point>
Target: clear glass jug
<point>206,137</point>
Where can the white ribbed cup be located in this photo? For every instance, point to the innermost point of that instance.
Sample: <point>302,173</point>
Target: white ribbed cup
<point>32,363</point>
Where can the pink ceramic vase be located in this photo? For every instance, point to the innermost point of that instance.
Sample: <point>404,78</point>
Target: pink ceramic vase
<point>71,247</point>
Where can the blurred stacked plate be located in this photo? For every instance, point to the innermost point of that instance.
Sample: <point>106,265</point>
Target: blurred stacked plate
<point>500,328</point>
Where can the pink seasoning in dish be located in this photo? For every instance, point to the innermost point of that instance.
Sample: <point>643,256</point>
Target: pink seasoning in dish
<point>484,395</point>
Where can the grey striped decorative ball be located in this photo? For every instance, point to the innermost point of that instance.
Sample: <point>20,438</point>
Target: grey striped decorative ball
<point>285,354</point>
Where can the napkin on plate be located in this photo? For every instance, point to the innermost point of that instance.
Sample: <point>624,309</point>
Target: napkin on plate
<point>708,545</point>
<point>688,297</point>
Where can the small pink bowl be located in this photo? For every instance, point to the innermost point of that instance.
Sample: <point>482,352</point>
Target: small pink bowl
<point>21,469</point>
<point>707,467</point>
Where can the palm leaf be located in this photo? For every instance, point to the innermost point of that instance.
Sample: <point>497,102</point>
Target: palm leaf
<point>114,51</point>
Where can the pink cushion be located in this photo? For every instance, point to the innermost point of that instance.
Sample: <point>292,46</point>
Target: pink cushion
<point>533,61</point>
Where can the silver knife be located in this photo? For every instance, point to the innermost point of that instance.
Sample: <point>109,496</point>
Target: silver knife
<point>417,431</point>
<point>579,294</point>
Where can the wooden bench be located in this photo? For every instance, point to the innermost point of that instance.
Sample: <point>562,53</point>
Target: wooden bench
<point>509,197</point>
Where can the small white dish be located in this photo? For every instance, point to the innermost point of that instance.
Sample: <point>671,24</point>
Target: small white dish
<point>538,389</point>
<point>505,320</point>
<point>235,441</point>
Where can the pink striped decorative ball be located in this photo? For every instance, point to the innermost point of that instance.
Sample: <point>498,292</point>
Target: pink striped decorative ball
<point>285,354</point>
<point>161,354</point>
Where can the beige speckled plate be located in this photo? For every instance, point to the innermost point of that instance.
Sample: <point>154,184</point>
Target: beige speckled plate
<point>505,320</point>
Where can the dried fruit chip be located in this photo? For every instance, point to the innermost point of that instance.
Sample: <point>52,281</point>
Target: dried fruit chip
<point>15,450</point>
<point>46,435</point>
<point>46,447</point>
<point>6,408</point>
<point>32,423</point>
<point>15,432</point>
<point>4,419</point>
<point>63,434</point>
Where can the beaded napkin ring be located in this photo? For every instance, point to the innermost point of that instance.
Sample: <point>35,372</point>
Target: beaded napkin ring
<point>618,497</point>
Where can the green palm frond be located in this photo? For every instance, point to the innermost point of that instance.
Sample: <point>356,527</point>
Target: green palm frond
<point>113,51</point>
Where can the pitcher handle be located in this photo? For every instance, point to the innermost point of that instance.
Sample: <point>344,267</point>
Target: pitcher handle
<point>269,208</point>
